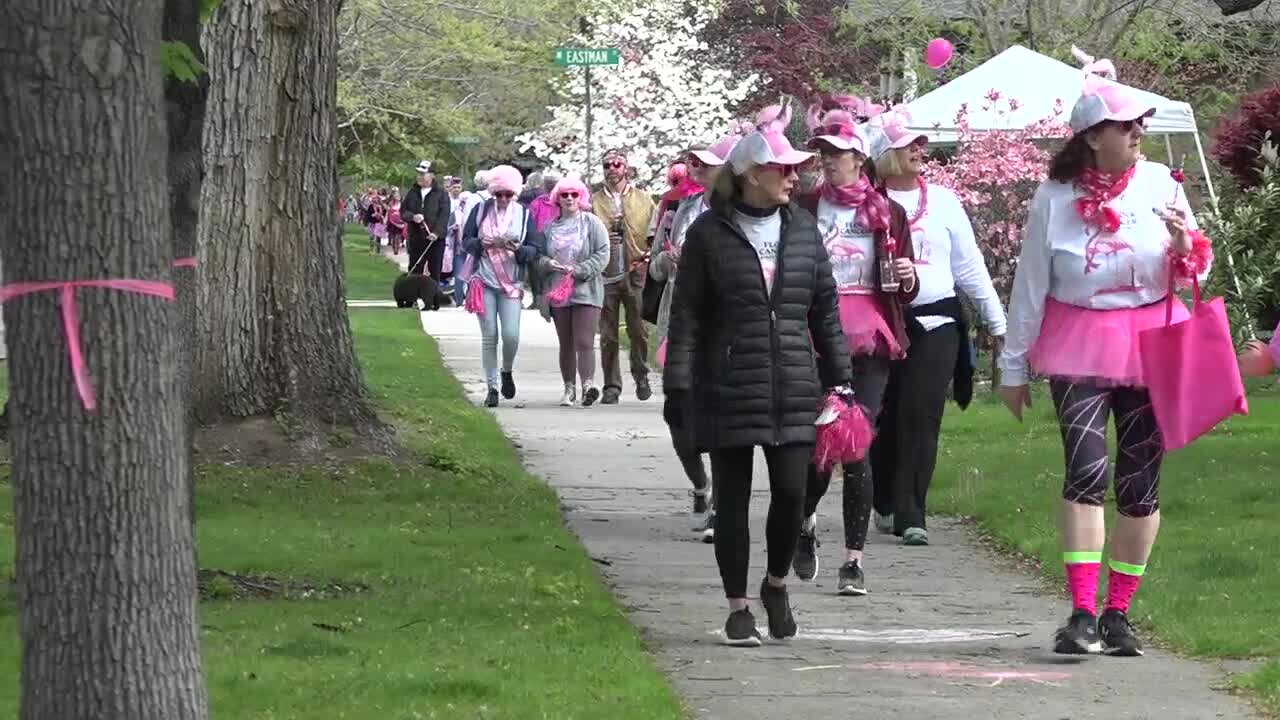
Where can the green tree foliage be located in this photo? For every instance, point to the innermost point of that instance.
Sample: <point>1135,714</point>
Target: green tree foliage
<point>413,73</point>
<point>1246,240</point>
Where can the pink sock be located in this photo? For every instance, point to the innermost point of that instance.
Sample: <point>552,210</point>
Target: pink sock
<point>1120,589</point>
<point>1082,580</point>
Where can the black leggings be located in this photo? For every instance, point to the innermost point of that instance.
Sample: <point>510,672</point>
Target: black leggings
<point>1083,409</point>
<point>731,470</point>
<point>905,452</point>
<point>870,376</point>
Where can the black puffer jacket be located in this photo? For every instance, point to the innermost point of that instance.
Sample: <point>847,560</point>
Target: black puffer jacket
<point>744,359</point>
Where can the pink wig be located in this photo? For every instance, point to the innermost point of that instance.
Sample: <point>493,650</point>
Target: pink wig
<point>505,178</point>
<point>572,183</point>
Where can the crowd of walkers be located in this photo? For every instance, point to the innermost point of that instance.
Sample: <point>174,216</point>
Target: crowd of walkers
<point>768,296</point>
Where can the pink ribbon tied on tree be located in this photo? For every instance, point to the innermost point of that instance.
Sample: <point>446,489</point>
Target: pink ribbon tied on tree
<point>71,317</point>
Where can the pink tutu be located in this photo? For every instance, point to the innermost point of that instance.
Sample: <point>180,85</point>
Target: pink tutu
<point>866,328</point>
<point>1098,346</point>
<point>662,354</point>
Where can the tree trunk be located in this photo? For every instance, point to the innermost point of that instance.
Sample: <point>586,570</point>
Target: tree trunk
<point>106,579</point>
<point>273,333</point>
<point>185,105</point>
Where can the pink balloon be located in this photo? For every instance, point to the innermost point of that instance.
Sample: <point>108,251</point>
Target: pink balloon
<point>938,53</point>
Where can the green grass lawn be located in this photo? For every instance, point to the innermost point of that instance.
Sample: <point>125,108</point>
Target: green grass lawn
<point>366,280</point>
<point>1213,579</point>
<point>480,603</point>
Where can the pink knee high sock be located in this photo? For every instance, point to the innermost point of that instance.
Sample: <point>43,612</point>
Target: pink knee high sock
<point>1122,582</point>
<point>1083,569</point>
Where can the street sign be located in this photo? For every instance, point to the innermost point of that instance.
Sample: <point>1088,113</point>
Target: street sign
<point>587,56</point>
<point>463,140</point>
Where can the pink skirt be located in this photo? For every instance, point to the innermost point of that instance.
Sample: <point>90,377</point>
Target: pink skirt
<point>866,328</point>
<point>1096,346</point>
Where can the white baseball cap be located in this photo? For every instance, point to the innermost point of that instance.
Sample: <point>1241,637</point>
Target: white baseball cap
<point>1104,100</point>
<point>765,147</point>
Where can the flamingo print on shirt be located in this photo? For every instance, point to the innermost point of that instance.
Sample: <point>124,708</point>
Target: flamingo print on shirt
<point>1111,253</point>
<point>851,249</point>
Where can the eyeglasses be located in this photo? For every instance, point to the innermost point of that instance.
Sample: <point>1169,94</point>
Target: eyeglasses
<point>614,164</point>
<point>570,194</point>
<point>504,195</point>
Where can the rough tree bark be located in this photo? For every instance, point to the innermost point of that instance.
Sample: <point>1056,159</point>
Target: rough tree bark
<point>105,574</point>
<point>273,332</point>
<point>184,115</point>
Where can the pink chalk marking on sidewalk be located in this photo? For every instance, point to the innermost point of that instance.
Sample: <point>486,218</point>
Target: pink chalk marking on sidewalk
<point>951,671</point>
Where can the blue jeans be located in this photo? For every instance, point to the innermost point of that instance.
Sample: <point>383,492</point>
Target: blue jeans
<point>501,314</point>
<point>459,282</point>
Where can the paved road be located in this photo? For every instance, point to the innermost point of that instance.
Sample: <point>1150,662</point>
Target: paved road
<point>945,633</point>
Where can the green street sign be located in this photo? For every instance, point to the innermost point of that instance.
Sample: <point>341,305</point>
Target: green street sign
<point>587,56</point>
<point>463,140</point>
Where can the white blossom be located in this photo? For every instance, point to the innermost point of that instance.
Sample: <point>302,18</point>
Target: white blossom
<point>663,96</point>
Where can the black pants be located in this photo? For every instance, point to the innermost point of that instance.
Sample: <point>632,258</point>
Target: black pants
<point>690,459</point>
<point>870,378</point>
<point>435,256</point>
<point>905,452</point>
<point>731,473</point>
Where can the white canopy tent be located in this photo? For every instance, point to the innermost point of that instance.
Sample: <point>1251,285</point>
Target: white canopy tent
<point>1039,83</point>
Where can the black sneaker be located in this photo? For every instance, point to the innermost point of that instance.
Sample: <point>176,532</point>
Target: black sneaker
<point>611,396</point>
<point>851,581</point>
<point>590,395</point>
<point>491,400</point>
<point>1079,636</point>
<point>1117,635</point>
<point>740,629</point>
<point>643,391</point>
<point>709,534</point>
<point>777,605</point>
<point>805,563</point>
<point>508,386</point>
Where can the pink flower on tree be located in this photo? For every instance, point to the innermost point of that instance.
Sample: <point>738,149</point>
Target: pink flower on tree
<point>995,173</point>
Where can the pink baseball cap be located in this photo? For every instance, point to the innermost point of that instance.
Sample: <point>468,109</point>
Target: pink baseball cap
<point>1104,100</point>
<point>719,152</point>
<point>765,147</point>
<point>838,129</point>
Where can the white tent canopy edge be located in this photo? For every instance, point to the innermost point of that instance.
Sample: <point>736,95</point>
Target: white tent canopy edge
<point>1041,85</point>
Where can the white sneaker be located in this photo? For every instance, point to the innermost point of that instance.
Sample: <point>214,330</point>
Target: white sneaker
<point>709,535</point>
<point>884,523</point>
<point>701,511</point>
<point>570,395</point>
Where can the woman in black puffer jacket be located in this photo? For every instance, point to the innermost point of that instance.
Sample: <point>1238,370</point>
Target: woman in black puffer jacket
<point>754,342</point>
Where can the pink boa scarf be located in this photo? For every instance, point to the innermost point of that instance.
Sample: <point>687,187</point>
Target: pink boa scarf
<point>872,207</point>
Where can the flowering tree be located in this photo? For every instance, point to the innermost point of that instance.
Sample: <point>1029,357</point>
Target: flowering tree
<point>662,98</point>
<point>995,173</point>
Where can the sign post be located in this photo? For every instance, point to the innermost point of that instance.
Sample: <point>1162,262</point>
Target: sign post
<point>586,58</point>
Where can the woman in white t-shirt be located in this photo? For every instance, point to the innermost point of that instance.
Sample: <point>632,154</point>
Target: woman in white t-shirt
<point>1107,236</point>
<point>947,258</point>
<point>866,237</point>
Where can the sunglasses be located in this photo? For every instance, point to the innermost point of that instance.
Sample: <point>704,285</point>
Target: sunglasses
<point>505,195</point>
<point>694,163</point>
<point>614,164</point>
<point>1128,125</point>
<point>570,194</point>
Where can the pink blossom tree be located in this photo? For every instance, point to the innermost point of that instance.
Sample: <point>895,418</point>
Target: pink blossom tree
<point>995,173</point>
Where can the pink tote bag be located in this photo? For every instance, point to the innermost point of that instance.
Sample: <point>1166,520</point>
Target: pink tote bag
<point>1191,372</point>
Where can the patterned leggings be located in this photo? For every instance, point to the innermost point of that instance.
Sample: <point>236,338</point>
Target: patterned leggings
<point>1083,409</point>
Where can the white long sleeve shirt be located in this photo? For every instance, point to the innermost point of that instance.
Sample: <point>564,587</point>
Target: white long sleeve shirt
<point>947,257</point>
<point>1075,264</point>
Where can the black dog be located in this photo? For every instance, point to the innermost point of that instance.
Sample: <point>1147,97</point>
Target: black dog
<point>409,289</point>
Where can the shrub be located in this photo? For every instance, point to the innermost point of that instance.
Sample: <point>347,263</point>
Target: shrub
<point>1240,136</point>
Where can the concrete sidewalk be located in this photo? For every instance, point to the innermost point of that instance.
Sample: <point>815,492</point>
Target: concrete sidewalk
<point>947,631</point>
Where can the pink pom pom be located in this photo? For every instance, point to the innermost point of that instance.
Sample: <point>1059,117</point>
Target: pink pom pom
<point>844,440</point>
<point>475,295</point>
<point>1191,265</point>
<point>560,294</point>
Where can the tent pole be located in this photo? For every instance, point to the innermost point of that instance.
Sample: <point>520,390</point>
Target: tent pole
<point>1200,150</point>
<point>1168,148</point>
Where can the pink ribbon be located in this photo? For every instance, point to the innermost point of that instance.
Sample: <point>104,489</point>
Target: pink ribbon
<point>71,317</point>
<point>185,262</point>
